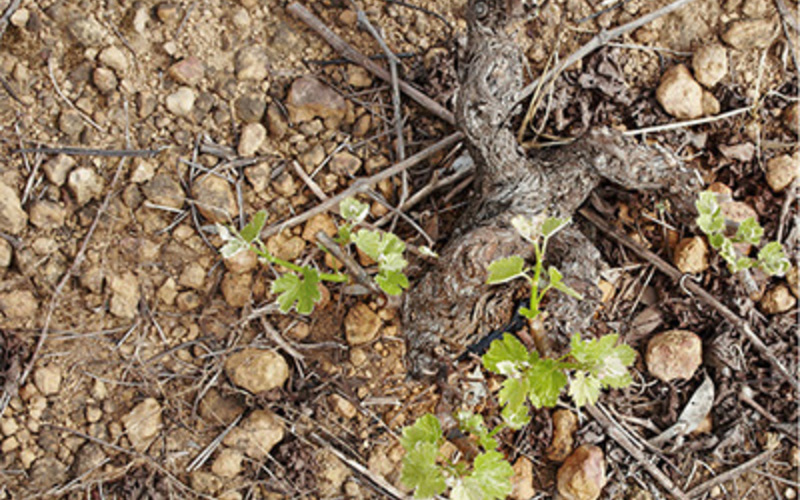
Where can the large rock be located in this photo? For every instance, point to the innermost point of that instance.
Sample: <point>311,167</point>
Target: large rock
<point>256,435</point>
<point>309,98</point>
<point>257,370</point>
<point>679,94</point>
<point>13,218</point>
<point>165,191</point>
<point>747,34</point>
<point>583,474</point>
<point>143,423</point>
<point>674,354</point>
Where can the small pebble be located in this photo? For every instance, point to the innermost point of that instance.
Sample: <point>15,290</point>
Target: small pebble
<point>710,64</point>
<point>181,102</point>
<point>777,300</point>
<point>583,474</point>
<point>253,136</point>
<point>691,255</point>
<point>114,58</point>
<point>85,185</point>
<point>361,325</point>
<point>13,218</point>
<point>251,63</point>
<point>782,171</point>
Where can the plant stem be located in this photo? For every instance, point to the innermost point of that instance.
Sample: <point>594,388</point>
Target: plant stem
<point>263,253</point>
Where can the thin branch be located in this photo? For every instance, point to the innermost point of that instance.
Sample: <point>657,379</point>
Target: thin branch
<point>732,473</point>
<point>349,52</point>
<point>617,434</point>
<point>740,324</point>
<point>363,184</point>
<point>595,43</point>
<point>7,16</point>
<point>76,151</point>
<point>689,123</point>
<point>84,116</point>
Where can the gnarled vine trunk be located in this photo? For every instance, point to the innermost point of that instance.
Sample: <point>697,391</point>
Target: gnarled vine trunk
<point>452,306</point>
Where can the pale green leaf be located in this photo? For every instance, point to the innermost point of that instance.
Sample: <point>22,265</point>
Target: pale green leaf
<point>584,389</point>
<point>772,260</point>
<point>716,240</point>
<point>711,223</point>
<point>528,227</point>
<point>421,472</point>
<point>368,242</point>
<point>506,356</point>
<point>749,231</point>
<point>491,474</point>
<point>552,225</point>
<point>353,211</point>
<point>295,292</point>
<point>392,282</point>
<point>253,228</point>
<point>232,247</point>
<point>707,203</point>
<point>427,252</point>
<point>546,380</point>
<point>513,394</point>
<point>473,424</point>
<point>425,430</point>
<point>392,262</point>
<point>506,269</point>
<point>556,281</point>
<point>604,359</point>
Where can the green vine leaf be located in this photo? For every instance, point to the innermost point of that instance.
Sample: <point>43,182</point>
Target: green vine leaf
<point>772,260</point>
<point>506,356</point>
<point>546,380</point>
<point>584,389</point>
<point>299,293</point>
<point>749,231</point>
<point>252,230</point>
<point>421,472</point>
<point>490,479</point>
<point>506,269</point>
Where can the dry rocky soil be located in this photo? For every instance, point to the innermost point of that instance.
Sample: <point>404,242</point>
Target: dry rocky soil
<point>127,129</point>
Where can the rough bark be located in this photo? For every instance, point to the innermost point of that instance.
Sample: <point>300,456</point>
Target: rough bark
<point>452,306</point>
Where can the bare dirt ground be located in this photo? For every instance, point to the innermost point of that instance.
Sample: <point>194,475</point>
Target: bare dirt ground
<point>128,128</point>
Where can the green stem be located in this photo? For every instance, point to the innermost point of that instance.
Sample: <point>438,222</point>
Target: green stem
<point>263,253</point>
<point>537,274</point>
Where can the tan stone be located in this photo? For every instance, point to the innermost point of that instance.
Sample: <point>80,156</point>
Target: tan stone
<point>710,64</point>
<point>143,423</point>
<point>777,300</point>
<point>691,255</point>
<point>679,94</point>
<point>583,474</point>
<point>320,222</point>
<point>522,480</point>
<point>256,435</point>
<point>361,325</point>
<point>257,370</point>
<point>565,423</point>
<point>782,170</point>
<point>674,354</point>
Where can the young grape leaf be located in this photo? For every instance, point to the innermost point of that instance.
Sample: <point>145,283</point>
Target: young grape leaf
<point>552,225</point>
<point>353,211</point>
<point>513,394</point>
<point>716,240</point>
<point>711,223</point>
<point>584,389</point>
<point>506,356</point>
<point>253,228</point>
<point>232,247</point>
<point>292,289</point>
<point>375,243</point>
<point>392,262</point>
<point>392,282</point>
<point>556,281</point>
<point>427,252</point>
<point>421,472</point>
<point>707,203</point>
<point>772,260</point>
<point>546,380</point>
<point>490,479</point>
<point>425,430</point>
<point>528,227</point>
<point>740,264</point>
<point>506,269</point>
<point>473,424</point>
<point>605,360</point>
<point>749,231</point>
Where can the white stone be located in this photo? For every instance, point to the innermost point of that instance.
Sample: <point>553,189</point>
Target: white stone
<point>181,102</point>
<point>253,135</point>
<point>47,379</point>
<point>257,370</point>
